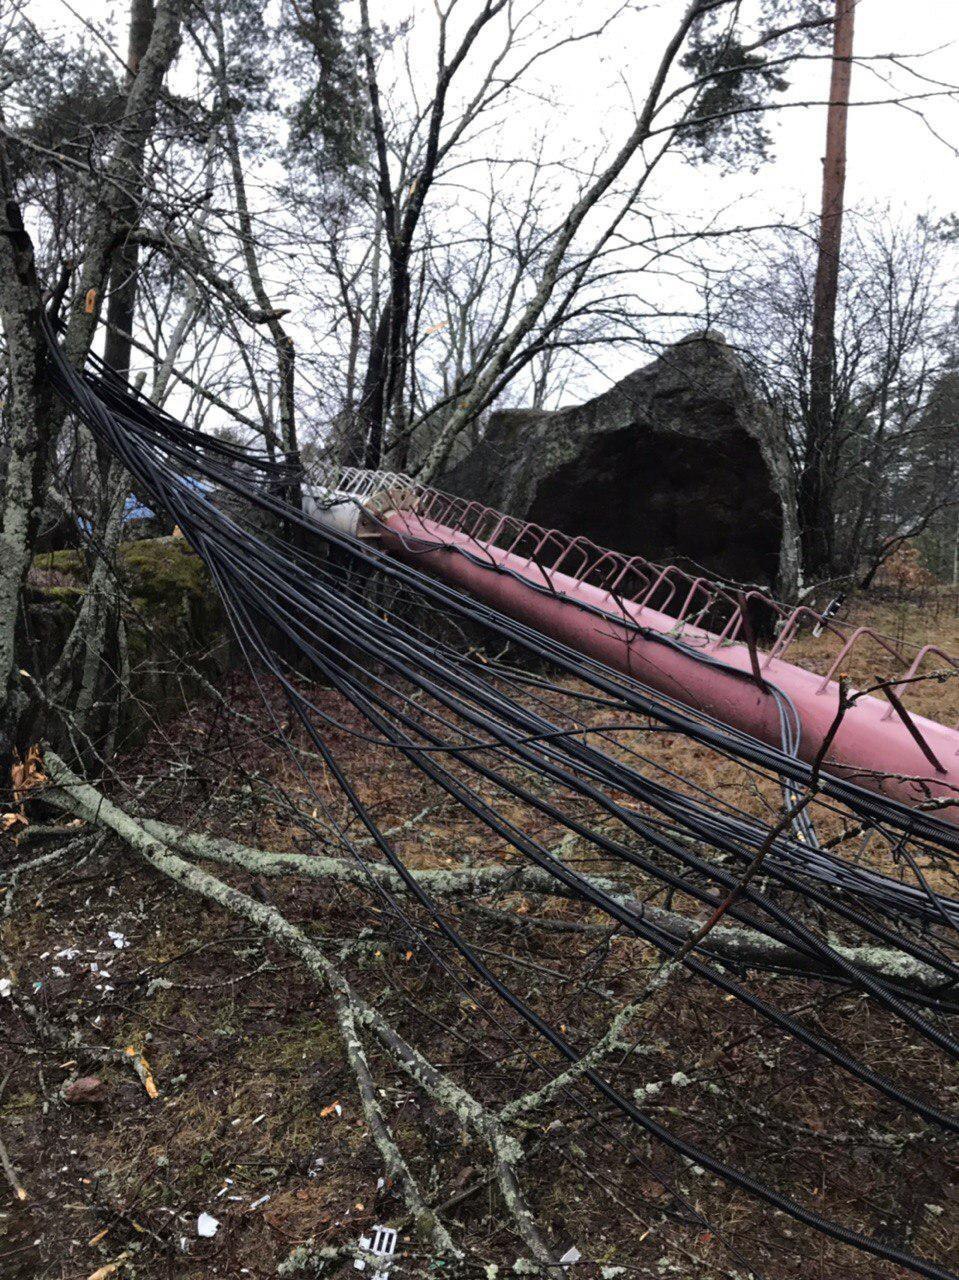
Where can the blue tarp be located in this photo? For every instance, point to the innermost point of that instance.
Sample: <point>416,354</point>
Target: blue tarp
<point>134,509</point>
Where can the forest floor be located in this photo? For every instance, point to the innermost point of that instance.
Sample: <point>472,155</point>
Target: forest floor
<point>256,1120</point>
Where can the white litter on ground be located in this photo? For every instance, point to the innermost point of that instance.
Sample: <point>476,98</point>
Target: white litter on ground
<point>382,1244</point>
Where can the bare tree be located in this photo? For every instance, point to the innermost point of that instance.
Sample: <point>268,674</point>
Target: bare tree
<point>889,354</point>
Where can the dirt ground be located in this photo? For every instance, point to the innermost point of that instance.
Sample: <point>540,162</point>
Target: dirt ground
<point>256,1122</point>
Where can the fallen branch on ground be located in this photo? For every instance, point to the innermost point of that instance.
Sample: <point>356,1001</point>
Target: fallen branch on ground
<point>739,946</point>
<point>74,795</point>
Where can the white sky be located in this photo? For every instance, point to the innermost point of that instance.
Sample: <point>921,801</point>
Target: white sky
<point>894,157</point>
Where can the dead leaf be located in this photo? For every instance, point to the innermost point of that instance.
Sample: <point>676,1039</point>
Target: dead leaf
<point>27,773</point>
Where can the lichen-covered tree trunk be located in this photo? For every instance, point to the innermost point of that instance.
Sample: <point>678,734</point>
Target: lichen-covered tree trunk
<point>82,678</point>
<point>110,218</point>
<point>28,420</point>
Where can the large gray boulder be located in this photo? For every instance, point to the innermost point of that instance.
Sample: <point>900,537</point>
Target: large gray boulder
<point>678,462</point>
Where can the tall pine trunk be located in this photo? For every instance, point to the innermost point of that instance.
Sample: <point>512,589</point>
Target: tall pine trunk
<point>816,489</point>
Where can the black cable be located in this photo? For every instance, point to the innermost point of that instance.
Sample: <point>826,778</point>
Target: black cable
<point>128,430</point>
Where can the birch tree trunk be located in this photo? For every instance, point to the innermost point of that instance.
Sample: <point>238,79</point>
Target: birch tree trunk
<point>28,417</point>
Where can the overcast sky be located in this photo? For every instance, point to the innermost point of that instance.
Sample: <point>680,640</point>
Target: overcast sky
<point>893,155</point>
<point>901,156</point>
<point>905,158</point>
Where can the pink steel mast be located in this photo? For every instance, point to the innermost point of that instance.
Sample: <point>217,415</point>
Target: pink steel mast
<point>646,620</point>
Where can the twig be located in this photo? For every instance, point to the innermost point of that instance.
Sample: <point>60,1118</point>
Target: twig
<point>72,793</point>
<point>11,1173</point>
<point>12,876</point>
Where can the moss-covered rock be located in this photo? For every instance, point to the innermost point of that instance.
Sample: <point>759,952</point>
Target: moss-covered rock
<point>174,620</point>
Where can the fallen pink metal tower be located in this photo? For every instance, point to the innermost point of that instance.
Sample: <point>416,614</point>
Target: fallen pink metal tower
<point>648,621</point>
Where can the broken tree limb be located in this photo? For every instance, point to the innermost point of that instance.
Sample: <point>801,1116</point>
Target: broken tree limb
<point>72,793</point>
<point>738,946</point>
<point>396,1167</point>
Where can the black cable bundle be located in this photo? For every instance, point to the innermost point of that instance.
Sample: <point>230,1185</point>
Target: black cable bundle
<point>461,717</point>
